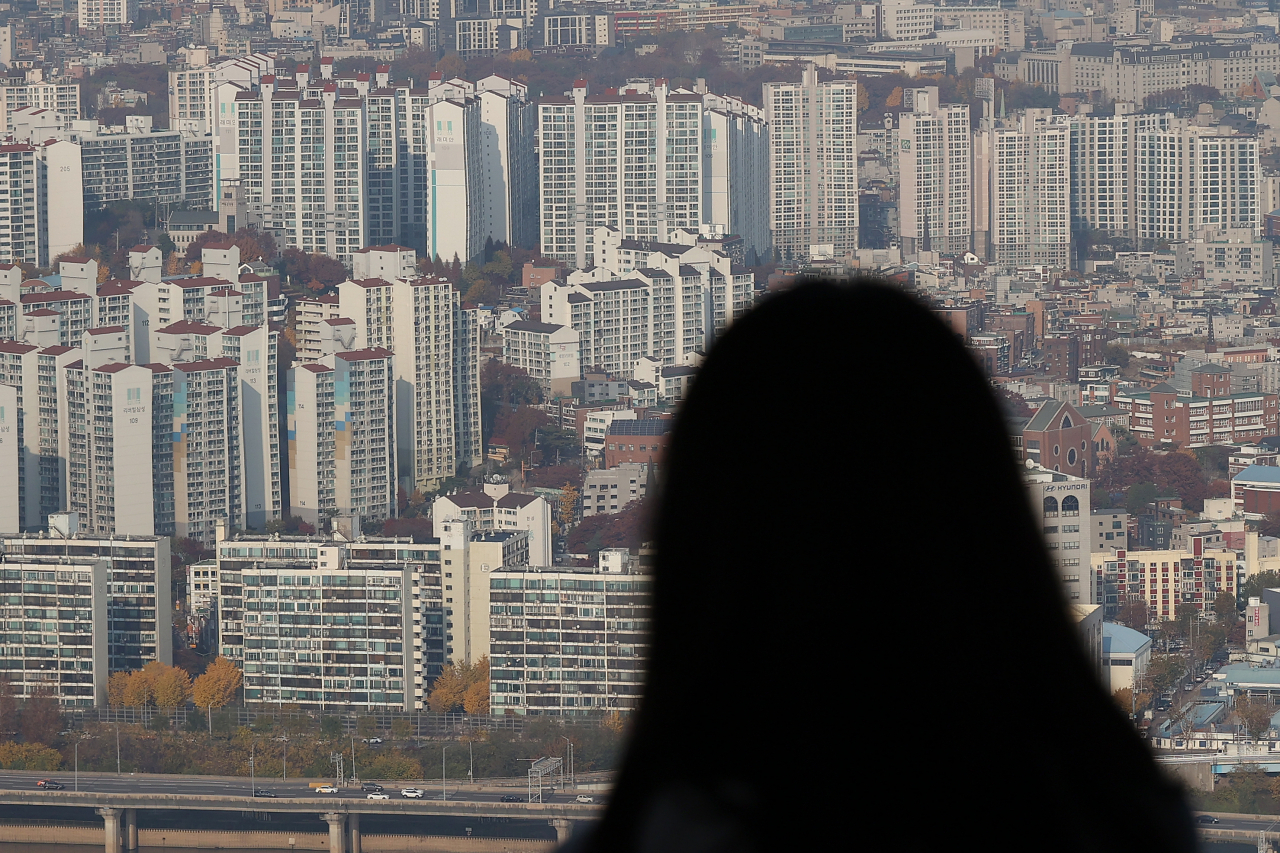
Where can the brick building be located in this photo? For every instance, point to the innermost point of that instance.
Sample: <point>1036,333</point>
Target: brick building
<point>637,441</point>
<point>1058,437</point>
<point>1210,415</point>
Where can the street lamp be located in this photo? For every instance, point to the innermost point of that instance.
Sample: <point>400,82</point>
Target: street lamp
<point>253,785</point>
<point>444,791</point>
<point>572,782</point>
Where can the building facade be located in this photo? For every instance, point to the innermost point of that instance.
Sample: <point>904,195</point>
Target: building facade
<point>813,160</point>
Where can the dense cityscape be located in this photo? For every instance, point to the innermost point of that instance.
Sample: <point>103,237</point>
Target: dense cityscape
<point>341,345</point>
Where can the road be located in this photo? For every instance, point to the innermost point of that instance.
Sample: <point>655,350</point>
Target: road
<point>109,783</point>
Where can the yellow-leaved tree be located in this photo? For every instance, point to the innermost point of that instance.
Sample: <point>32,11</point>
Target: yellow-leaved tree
<point>217,687</point>
<point>172,688</point>
<point>117,684</point>
<point>461,687</point>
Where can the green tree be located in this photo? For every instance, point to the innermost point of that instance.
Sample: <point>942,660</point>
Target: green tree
<point>1138,496</point>
<point>1255,584</point>
<point>366,726</point>
<point>331,727</point>
<point>1116,354</point>
<point>196,721</point>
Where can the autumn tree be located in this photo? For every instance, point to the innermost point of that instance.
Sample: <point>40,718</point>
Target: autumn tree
<point>218,685</point>
<point>568,508</point>
<point>1225,606</point>
<point>172,688</point>
<point>476,699</point>
<point>1254,713</point>
<point>117,687</point>
<point>1133,614</point>
<point>458,688</point>
<point>41,718</point>
<point>449,690</point>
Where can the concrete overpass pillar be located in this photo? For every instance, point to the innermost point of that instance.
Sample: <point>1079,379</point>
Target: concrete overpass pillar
<point>337,829</point>
<point>564,829</point>
<point>130,829</point>
<point>353,822</point>
<point>111,818</point>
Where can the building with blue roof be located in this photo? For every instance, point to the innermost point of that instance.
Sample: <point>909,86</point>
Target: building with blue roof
<point>1126,654</point>
<point>1256,490</point>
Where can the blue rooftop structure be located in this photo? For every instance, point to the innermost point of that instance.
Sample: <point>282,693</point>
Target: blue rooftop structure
<point>1119,640</point>
<point>1259,474</point>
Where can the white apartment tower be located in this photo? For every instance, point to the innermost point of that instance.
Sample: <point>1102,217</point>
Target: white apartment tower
<point>1103,173</point>
<point>813,185</point>
<point>95,14</point>
<point>39,424</point>
<point>302,166</point>
<point>342,447</point>
<point>1191,178</point>
<point>631,160</point>
<point>935,159</point>
<point>424,180</point>
<point>437,370</point>
<point>112,464</point>
<point>1030,191</point>
<point>735,181</point>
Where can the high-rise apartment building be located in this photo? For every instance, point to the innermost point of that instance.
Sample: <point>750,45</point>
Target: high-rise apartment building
<point>1103,169</point>
<point>451,166</point>
<point>318,622</point>
<point>580,650</point>
<point>1190,178</point>
<point>813,158</point>
<point>302,165</point>
<point>735,188</point>
<point>39,424</point>
<point>41,205</point>
<point>631,160</point>
<point>342,446</point>
<point>136,162</point>
<point>52,641</point>
<point>935,160</point>
<point>60,97</point>
<point>138,605</point>
<point>114,472</point>
<point>674,300</point>
<point>96,14</point>
<point>436,344</point>
<point>1030,191</point>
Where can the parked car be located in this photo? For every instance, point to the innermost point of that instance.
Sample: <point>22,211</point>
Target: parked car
<point>326,789</point>
<point>412,793</point>
<point>50,785</point>
<point>508,798</point>
<point>371,787</point>
<point>1206,818</point>
<point>583,798</point>
<point>263,792</point>
<point>376,795</point>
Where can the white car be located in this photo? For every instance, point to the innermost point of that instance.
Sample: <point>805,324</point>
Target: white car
<point>412,793</point>
<point>378,795</point>
<point>583,798</point>
<point>326,789</point>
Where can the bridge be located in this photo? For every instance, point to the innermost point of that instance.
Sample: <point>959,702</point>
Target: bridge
<point>118,811</point>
